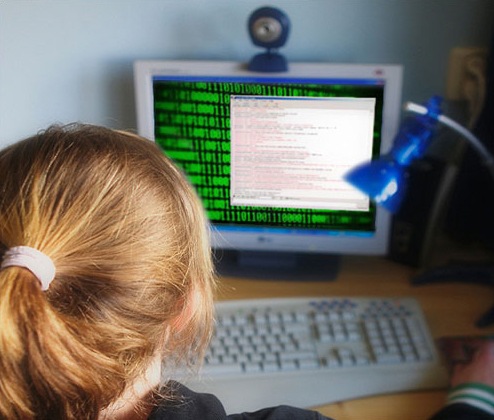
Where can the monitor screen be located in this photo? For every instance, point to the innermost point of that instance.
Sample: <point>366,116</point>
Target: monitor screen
<point>267,152</point>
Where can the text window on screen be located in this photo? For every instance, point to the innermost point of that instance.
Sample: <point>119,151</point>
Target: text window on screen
<point>293,152</point>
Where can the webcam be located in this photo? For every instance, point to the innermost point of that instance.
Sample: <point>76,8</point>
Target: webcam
<point>268,28</point>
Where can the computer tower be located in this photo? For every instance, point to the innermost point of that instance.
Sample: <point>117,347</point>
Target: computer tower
<point>415,227</point>
<point>470,216</point>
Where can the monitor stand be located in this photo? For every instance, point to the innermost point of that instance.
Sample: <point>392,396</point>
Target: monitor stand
<point>267,265</point>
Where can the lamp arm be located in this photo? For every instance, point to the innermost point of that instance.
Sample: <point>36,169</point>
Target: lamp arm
<point>474,141</point>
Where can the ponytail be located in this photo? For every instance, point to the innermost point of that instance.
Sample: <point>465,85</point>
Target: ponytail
<point>44,354</point>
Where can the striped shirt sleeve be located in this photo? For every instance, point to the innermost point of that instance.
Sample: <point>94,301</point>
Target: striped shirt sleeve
<point>474,394</point>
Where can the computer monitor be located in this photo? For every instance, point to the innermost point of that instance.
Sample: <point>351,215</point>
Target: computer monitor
<point>267,153</point>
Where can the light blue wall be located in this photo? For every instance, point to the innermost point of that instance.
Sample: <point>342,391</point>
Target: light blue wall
<point>68,60</point>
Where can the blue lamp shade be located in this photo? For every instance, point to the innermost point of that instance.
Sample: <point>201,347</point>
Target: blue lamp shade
<point>385,180</point>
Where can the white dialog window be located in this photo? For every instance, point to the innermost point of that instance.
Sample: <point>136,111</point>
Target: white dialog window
<point>294,151</point>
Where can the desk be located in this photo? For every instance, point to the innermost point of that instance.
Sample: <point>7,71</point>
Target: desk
<point>451,309</point>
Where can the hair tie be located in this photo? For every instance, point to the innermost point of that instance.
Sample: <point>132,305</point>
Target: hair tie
<point>35,261</point>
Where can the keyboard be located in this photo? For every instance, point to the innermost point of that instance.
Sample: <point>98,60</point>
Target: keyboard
<point>307,352</point>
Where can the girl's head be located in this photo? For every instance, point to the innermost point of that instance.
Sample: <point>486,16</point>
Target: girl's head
<point>128,239</point>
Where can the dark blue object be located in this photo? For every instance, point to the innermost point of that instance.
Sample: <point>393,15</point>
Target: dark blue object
<point>385,180</point>
<point>269,28</point>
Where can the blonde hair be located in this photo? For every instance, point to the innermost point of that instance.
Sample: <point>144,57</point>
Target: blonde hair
<point>134,276</point>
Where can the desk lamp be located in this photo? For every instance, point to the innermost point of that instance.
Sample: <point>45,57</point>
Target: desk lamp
<point>385,181</point>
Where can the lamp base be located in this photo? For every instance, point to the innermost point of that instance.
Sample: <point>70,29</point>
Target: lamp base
<point>465,272</point>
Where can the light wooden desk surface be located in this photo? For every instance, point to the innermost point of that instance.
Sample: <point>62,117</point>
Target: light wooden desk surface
<point>451,309</point>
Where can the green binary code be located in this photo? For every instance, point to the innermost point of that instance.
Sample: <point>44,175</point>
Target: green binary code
<point>192,126</point>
